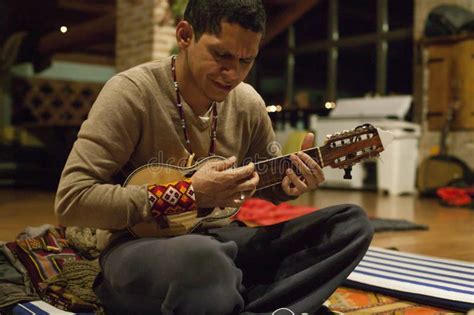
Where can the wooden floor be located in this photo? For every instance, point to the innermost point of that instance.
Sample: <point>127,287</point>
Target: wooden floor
<point>450,234</point>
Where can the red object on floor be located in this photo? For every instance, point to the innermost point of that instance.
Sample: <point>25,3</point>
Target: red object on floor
<point>263,212</point>
<point>454,196</point>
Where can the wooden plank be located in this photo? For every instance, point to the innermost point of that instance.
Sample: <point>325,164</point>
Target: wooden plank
<point>78,36</point>
<point>440,70</point>
<point>287,15</point>
<point>464,118</point>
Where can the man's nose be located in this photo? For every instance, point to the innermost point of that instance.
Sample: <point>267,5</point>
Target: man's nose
<point>231,72</point>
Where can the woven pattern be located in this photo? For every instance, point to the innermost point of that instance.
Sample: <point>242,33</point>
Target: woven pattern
<point>44,256</point>
<point>50,258</point>
<point>74,282</point>
<point>352,301</point>
<point>172,198</point>
<point>46,102</point>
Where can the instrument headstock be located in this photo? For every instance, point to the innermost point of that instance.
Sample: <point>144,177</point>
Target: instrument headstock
<point>344,149</point>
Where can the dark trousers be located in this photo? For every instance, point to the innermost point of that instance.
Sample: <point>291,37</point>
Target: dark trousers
<point>296,265</point>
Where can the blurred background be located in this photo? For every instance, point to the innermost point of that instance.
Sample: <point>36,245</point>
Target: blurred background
<point>324,66</point>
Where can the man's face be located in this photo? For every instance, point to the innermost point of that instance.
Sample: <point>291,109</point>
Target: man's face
<point>218,63</point>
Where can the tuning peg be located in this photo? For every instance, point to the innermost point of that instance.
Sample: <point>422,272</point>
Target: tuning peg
<point>347,172</point>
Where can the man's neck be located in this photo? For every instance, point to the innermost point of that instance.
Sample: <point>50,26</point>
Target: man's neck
<point>198,102</point>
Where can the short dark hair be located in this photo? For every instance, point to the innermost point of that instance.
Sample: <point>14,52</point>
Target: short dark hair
<point>206,15</point>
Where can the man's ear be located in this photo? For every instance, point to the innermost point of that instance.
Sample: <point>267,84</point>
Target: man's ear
<point>184,34</point>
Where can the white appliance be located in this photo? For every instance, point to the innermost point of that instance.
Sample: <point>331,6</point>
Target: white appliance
<point>396,167</point>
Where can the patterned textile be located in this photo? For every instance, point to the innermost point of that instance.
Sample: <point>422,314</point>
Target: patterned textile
<point>172,198</point>
<point>34,231</point>
<point>44,258</point>
<point>83,240</point>
<point>48,102</point>
<point>70,287</point>
<point>442,282</point>
<point>74,284</point>
<point>352,301</point>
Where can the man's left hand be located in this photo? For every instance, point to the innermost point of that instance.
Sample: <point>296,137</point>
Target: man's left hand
<point>311,173</point>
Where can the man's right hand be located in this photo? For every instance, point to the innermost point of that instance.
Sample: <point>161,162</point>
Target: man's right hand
<point>217,184</point>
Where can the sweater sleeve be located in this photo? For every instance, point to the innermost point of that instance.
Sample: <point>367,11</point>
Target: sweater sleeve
<point>106,140</point>
<point>262,147</point>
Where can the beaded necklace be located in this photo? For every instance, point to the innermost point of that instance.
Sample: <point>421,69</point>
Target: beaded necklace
<point>212,148</point>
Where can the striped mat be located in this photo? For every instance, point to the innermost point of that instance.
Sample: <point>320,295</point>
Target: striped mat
<point>429,280</point>
<point>40,308</point>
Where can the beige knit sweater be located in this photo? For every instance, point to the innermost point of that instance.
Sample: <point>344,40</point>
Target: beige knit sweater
<point>134,121</point>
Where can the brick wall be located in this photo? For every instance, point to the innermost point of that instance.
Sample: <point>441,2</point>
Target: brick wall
<point>460,143</point>
<point>145,32</point>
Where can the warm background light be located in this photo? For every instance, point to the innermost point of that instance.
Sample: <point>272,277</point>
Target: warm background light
<point>330,105</point>
<point>274,108</point>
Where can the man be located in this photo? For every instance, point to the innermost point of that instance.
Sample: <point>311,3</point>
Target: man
<point>185,108</point>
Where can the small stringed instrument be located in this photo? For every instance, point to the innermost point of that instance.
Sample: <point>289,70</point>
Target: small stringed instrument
<point>341,150</point>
